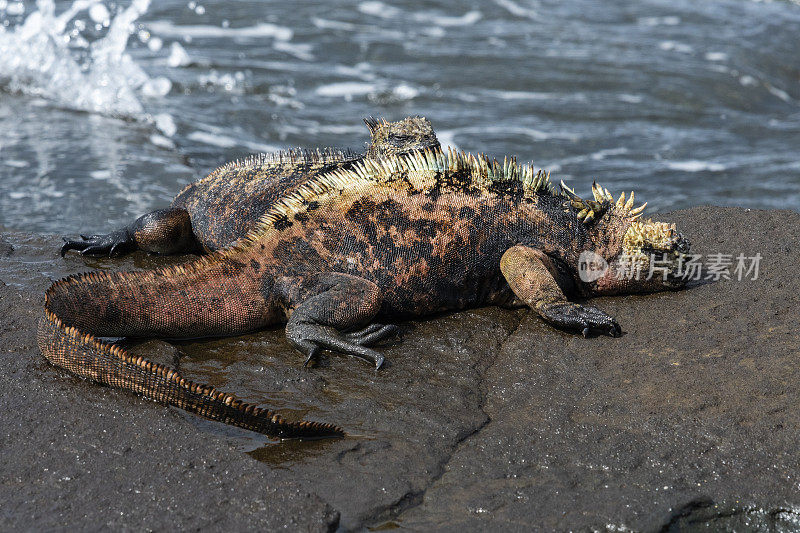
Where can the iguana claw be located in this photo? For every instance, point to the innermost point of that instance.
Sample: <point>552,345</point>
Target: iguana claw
<point>106,244</point>
<point>372,334</point>
<point>584,318</point>
<point>312,353</point>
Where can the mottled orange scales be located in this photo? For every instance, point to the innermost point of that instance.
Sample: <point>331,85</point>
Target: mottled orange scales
<point>66,348</point>
<point>344,242</point>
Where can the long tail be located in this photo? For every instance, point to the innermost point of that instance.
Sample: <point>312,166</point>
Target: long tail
<point>67,344</point>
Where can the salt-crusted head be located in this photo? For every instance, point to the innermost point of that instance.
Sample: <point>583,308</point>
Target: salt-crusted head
<point>637,255</point>
<point>403,136</point>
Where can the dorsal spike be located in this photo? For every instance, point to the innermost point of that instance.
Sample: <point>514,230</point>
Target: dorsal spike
<point>637,212</point>
<point>629,203</point>
<point>597,192</point>
<point>569,192</point>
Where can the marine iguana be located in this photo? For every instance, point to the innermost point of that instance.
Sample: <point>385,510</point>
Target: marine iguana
<point>222,207</point>
<point>403,236</point>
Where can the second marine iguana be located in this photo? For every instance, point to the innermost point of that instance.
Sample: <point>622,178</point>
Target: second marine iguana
<point>404,236</point>
<point>215,211</point>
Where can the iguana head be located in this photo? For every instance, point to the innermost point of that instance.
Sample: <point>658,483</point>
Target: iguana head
<point>631,254</point>
<point>392,138</point>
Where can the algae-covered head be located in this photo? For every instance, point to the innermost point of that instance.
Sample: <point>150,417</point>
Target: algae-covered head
<point>637,255</point>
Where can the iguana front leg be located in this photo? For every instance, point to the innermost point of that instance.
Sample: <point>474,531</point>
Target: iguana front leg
<point>322,308</point>
<point>165,231</point>
<point>534,278</point>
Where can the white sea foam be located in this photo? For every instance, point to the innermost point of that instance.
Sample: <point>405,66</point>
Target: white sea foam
<point>300,51</point>
<point>694,165</point>
<point>716,56</point>
<point>783,95</point>
<point>660,21</point>
<point>351,89</point>
<point>518,10</point>
<point>523,95</point>
<point>100,174</point>
<point>602,154</point>
<point>447,137</point>
<point>338,129</point>
<point>36,58</point>
<point>437,32</point>
<point>346,89</point>
<point>326,24</point>
<point>155,87</point>
<point>40,57</point>
<point>225,141</point>
<point>536,134</point>
<point>748,81</point>
<point>165,124</point>
<point>231,82</point>
<point>360,70</point>
<point>99,13</point>
<point>386,11</point>
<point>630,98</point>
<point>214,139</point>
<point>467,19</point>
<point>405,92</point>
<point>674,46</point>
<point>163,142</point>
<point>177,56</point>
<point>15,8</point>
<point>264,29</point>
<point>379,9</point>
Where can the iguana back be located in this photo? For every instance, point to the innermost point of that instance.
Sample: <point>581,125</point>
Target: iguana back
<point>404,235</point>
<point>219,209</point>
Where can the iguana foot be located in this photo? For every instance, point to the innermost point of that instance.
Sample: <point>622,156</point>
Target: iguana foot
<point>115,242</point>
<point>372,334</point>
<point>330,305</point>
<point>162,232</point>
<point>584,318</point>
<point>311,338</point>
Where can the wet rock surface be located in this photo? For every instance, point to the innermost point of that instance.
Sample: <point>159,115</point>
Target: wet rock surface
<point>485,419</point>
<point>5,248</point>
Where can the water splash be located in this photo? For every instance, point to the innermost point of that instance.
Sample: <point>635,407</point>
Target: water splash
<point>46,56</point>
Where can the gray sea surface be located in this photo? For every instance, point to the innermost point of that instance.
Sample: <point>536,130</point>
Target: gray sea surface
<point>108,109</point>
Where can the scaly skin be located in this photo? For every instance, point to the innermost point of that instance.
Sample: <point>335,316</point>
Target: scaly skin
<point>217,210</point>
<point>404,236</point>
<point>88,357</point>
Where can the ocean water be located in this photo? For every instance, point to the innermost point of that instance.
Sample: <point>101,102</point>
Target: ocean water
<point>108,109</point>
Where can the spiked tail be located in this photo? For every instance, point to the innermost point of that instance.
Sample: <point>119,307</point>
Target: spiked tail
<point>65,342</point>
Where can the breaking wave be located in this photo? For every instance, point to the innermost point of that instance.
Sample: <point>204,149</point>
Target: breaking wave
<point>59,57</point>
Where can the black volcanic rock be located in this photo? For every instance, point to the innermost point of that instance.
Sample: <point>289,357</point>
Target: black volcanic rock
<point>483,420</point>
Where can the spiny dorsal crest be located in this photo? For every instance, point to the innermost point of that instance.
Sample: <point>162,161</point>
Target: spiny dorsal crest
<point>427,168</point>
<point>421,169</point>
<point>589,210</point>
<point>365,173</point>
<point>295,156</point>
<point>374,123</point>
